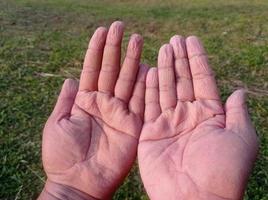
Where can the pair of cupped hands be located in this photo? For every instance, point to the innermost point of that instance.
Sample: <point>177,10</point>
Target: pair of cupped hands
<point>189,145</point>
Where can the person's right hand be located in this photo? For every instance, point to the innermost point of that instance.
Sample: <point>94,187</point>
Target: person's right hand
<point>190,146</point>
<point>90,140</point>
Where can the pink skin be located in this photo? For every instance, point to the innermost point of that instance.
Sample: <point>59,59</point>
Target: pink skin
<point>90,140</point>
<point>191,147</point>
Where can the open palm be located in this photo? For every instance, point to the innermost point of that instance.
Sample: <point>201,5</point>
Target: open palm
<point>90,140</point>
<point>190,146</point>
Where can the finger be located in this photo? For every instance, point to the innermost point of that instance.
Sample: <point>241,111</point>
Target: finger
<point>167,87</point>
<point>66,98</point>
<point>184,83</point>
<point>238,119</point>
<point>111,58</point>
<point>136,103</point>
<point>152,106</point>
<point>127,76</point>
<point>204,83</point>
<point>92,62</point>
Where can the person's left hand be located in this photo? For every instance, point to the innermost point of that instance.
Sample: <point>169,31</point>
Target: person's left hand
<point>90,140</point>
<point>191,146</point>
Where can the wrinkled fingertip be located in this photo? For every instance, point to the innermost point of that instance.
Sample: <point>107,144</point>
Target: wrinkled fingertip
<point>117,27</point>
<point>165,49</point>
<point>175,39</point>
<point>236,99</point>
<point>98,39</point>
<point>135,46</point>
<point>194,46</point>
<point>101,30</point>
<point>152,77</point>
<point>70,86</point>
<point>179,46</point>
<point>115,33</point>
<point>165,56</point>
<point>118,23</point>
<point>136,38</point>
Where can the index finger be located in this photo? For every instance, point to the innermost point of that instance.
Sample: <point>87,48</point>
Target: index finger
<point>92,63</point>
<point>204,83</point>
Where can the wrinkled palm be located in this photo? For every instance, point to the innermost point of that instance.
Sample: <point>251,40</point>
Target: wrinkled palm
<point>190,146</point>
<point>90,140</point>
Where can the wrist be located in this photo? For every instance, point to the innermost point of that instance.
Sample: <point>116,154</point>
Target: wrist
<point>55,191</point>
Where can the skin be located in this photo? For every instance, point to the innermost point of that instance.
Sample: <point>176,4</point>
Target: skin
<point>90,140</point>
<point>191,146</point>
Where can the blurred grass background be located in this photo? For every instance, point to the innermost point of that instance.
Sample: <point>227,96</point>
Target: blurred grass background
<point>43,42</point>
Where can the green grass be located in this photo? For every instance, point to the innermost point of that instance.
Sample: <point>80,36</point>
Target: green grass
<point>43,42</point>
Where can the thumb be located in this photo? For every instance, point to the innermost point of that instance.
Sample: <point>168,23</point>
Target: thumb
<point>237,117</point>
<point>66,98</point>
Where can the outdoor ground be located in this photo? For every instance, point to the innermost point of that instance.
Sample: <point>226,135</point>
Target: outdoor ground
<point>42,42</point>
